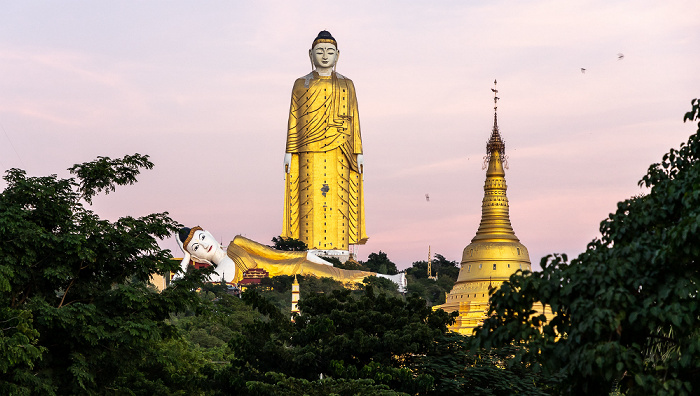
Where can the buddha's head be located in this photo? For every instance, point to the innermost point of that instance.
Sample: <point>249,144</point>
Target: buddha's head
<point>324,52</point>
<point>198,245</point>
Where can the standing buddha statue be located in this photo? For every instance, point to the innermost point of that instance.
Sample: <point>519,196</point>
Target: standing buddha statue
<point>323,163</point>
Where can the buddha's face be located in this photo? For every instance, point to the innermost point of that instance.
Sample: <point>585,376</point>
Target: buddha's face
<point>203,246</point>
<point>324,55</point>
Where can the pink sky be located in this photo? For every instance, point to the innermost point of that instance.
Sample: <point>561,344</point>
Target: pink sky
<point>204,89</point>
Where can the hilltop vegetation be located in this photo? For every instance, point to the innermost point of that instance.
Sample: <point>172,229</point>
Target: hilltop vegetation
<point>78,315</point>
<point>431,290</point>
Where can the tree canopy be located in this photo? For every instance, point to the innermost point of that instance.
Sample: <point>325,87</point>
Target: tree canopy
<point>288,244</point>
<point>373,336</point>
<point>78,315</point>
<point>380,263</point>
<point>432,290</point>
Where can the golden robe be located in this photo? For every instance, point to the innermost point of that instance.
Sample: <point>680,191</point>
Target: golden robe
<point>247,254</point>
<point>323,202</point>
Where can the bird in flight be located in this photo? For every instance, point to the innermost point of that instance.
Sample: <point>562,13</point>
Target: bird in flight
<point>620,56</point>
<point>427,197</point>
<point>583,70</point>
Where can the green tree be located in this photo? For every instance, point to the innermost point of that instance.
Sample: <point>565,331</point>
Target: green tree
<point>333,260</point>
<point>216,320</point>
<point>461,370</point>
<point>431,290</point>
<point>288,244</point>
<point>626,311</point>
<point>380,263</point>
<point>280,384</point>
<point>78,314</point>
<point>381,285</point>
<point>349,265</point>
<point>372,337</point>
<point>278,289</point>
<point>444,267</point>
<point>440,266</point>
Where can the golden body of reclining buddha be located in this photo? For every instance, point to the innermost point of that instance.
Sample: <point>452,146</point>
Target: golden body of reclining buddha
<point>243,254</point>
<point>323,202</point>
<point>247,254</point>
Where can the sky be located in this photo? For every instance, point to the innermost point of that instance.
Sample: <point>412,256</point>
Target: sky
<point>204,87</point>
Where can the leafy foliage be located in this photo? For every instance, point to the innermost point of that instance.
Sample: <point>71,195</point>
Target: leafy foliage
<point>380,263</point>
<point>104,174</point>
<point>431,290</point>
<point>348,265</point>
<point>280,384</point>
<point>381,285</point>
<point>288,244</point>
<point>218,318</point>
<point>626,311</point>
<point>373,337</point>
<point>78,315</point>
<point>461,370</point>
<point>278,290</point>
<point>440,266</point>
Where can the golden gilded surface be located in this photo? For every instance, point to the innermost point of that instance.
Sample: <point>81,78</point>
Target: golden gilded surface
<point>323,203</point>
<point>494,253</point>
<point>247,254</point>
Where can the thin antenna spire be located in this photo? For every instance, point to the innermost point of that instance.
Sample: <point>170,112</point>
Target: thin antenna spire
<point>495,96</point>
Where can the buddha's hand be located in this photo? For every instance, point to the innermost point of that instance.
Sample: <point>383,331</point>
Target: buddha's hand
<point>287,162</point>
<point>361,163</point>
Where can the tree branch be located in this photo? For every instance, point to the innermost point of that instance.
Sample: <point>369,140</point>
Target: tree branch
<point>65,293</point>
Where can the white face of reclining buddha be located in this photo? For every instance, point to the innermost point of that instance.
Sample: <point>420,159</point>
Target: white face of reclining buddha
<point>203,246</point>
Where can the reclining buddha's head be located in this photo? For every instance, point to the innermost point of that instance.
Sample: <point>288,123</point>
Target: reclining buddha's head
<point>199,244</point>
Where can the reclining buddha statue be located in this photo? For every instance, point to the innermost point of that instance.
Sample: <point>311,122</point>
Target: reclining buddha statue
<point>243,254</point>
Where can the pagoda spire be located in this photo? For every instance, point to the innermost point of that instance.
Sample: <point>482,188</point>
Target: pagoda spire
<point>495,142</point>
<point>495,218</point>
<point>495,253</point>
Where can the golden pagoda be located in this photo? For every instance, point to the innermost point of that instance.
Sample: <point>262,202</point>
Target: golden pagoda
<point>495,253</point>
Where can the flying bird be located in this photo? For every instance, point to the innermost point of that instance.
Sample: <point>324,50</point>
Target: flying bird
<point>583,70</point>
<point>427,197</point>
<point>620,56</point>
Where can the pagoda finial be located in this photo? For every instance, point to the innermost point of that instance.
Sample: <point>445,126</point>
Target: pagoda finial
<point>495,97</point>
<point>495,143</point>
